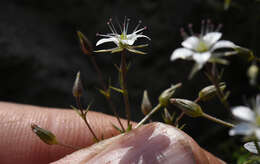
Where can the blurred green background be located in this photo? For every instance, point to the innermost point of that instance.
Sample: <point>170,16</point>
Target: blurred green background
<point>40,55</point>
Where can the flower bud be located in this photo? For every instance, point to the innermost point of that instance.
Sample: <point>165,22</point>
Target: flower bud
<point>209,92</point>
<point>252,73</point>
<point>168,119</point>
<point>146,105</point>
<point>45,135</point>
<point>85,44</point>
<point>167,94</point>
<point>188,107</point>
<point>77,89</point>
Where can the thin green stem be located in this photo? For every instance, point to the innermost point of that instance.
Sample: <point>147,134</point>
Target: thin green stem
<point>85,119</point>
<point>217,120</point>
<point>123,71</point>
<point>155,109</point>
<point>257,146</point>
<point>103,85</point>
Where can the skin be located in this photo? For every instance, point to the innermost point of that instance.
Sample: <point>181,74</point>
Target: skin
<point>154,143</point>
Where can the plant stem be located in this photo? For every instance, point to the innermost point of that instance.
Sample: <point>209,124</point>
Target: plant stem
<point>155,109</point>
<point>213,77</point>
<point>179,118</point>
<point>104,87</point>
<point>217,120</point>
<point>257,146</point>
<point>85,119</point>
<point>123,70</point>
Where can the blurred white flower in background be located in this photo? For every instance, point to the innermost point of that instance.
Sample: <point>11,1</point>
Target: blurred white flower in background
<point>201,47</point>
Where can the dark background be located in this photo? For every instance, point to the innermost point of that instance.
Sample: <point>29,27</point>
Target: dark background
<point>40,54</point>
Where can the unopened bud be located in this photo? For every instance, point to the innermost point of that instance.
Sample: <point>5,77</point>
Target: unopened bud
<point>188,107</point>
<point>45,135</point>
<point>209,92</point>
<point>85,44</point>
<point>146,105</point>
<point>77,89</point>
<point>252,73</point>
<point>168,119</point>
<point>167,94</point>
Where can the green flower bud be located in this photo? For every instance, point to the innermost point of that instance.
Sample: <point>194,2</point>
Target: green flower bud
<point>188,107</point>
<point>168,119</point>
<point>85,44</point>
<point>209,92</point>
<point>146,105</point>
<point>45,135</point>
<point>252,73</point>
<point>167,94</point>
<point>77,89</point>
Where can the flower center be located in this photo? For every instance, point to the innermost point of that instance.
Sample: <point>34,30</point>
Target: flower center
<point>202,46</point>
<point>123,36</point>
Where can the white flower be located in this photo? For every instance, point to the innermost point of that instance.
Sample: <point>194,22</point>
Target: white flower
<point>250,124</point>
<point>201,48</point>
<point>250,146</point>
<point>123,40</point>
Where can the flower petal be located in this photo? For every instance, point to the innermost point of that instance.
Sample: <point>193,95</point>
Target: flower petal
<point>211,38</point>
<point>131,38</point>
<point>182,53</point>
<point>201,58</point>
<point>242,129</point>
<point>105,40</point>
<point>191,42</point>
<point>243,113</point>
<point>223,44</point>
<point>250,146</point>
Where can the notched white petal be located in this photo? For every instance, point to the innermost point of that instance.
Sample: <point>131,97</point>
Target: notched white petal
<point>223,44</point>
<point>242,129</point>
<point>191,42</point>
<point>181,53</point>
<point>250,146</point>
<point>243,113</point>
<point>211,38</point>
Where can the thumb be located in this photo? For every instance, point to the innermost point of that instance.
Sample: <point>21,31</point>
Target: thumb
<point>153,143</point>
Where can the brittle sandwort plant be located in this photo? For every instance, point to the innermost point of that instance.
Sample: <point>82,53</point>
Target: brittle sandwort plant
<point>124,42</point>
<point>205,49</point>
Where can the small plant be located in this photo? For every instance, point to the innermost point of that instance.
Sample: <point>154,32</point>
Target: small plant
<point>204,48</point>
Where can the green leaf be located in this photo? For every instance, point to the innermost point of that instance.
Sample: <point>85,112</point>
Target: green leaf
<point>76,110</point>
<point>117,89</point>
<point>136,51</point>
<point>117,128</point>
